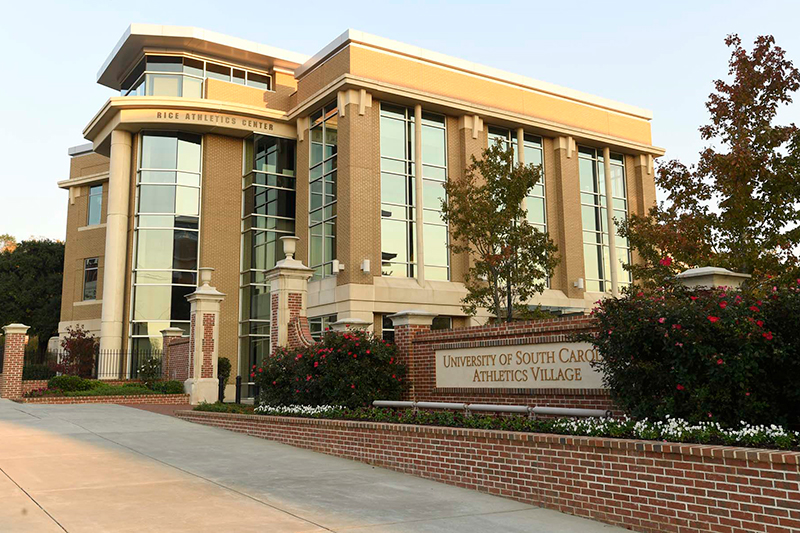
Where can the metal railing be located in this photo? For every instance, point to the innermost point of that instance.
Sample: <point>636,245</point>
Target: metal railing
<point>485,407</point>
<point>104,365</point>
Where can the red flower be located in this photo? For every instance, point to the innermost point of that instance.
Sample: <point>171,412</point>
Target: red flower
<point>679,387</point>
<point>753,308</point>
<point>316,364</point>
<point>719,361</point>
<point>252,374</point>
<point>355,356</point>
<point>723,304</point>
<point>352,386</point>
<point>308,377</point>
<point>767,335</point>
<point>662,320</point>
<point>260,369</point>
<point>760,323</point>
<point>367,351</point>
<point>693,298</point>
<point>676,326</point>
<point>713,319</point>
<point>747,394</point>
<point>274,382</point>
<point>667,261</point>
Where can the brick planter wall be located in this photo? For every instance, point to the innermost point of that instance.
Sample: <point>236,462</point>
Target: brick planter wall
<point>642,485</point>
<point>177,364</point>
<point>418,348</point>
<point>151,399</point>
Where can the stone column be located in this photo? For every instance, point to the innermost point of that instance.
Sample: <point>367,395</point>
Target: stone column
<point>288,293</point>
<point>420,223</point>
<point>565,224</point>
<point>407,325</point>
<point>119,185</point>
<point>169,335</point>
<point>14,358</point>
<point>202,385</point>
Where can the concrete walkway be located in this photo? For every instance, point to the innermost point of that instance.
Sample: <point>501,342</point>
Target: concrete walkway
<point>113,468</point>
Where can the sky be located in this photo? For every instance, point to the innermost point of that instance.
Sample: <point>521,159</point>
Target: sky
<point>662,56</point>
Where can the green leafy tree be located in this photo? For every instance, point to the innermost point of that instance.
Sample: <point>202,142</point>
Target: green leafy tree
<point>737,208</point>
<point>30,286</point>
<point>7,243</point>
<point>511,258</point>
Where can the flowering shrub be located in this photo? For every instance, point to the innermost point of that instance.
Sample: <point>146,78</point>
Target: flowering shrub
<point>703,355</point>
<point>670,429</point>
<point>351,369</point>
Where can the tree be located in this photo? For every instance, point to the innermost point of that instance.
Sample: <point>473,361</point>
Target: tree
<point>30,286</point>
<point>7,243</point>
<point>511,258</point>
<point>737,208</point>
<point>79,353</point>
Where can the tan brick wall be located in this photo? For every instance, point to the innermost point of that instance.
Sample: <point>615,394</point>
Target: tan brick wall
<point>324,74</point>
<point>86,165</point>
<point>220,231</point>
<point>358,219</point>
<point>81,245</point>
<point>567,226</point>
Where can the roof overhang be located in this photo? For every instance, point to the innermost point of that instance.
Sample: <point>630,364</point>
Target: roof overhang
<point>193,40</point>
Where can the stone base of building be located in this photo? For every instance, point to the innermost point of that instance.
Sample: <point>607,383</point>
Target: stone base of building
<point>201,390</point>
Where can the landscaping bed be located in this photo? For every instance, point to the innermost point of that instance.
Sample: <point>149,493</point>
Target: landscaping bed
<point>74,389</point>
<point>671,430</point>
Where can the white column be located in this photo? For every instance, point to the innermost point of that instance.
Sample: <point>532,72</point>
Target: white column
<point>119,185</point>
<point>418,196</point>
<point>611,232</point>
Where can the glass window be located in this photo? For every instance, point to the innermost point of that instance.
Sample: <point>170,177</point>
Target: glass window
<point>593,214</point>
<point>90,268</point>
<point>442,322</point>
<point>323,133</point>
<point>95,205</point>
<point>166,233</point>
<point>387,329</point>
<point>218,72</point>
<point>320,324</point>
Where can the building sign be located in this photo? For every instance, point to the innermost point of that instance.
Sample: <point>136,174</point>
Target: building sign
<point>215,119</point>
<point>208,120</point>
<point>564,365</point>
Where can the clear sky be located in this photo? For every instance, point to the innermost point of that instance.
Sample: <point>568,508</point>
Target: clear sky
<point>661,56</point>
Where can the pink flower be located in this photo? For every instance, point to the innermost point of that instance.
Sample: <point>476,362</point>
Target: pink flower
<point>679,386</point>
<point>316,364</point>
<point>723,304</point>
<point>676,326</point>
<point>667,261</point>
<point>747,394</point>
<point>352,386</point>
<point>713,319</point>
<point>679,344</point>
<point>753,308</point>
<point>662,320</point>
<point>719,361</point>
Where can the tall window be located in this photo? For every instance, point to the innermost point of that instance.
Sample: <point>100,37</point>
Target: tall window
<point>434,175</point>
<point>398,201</point>
<point>90,279</point>
<point>95,205</point>
<point>166,226</point>
<point>322,200</point>
<point>532,151</point>
<point>594,218</point>
<point>268,214</point>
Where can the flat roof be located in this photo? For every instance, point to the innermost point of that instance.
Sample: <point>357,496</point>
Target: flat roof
<point>415,52</point>
<point>190,39</point>
<point>80,149</point>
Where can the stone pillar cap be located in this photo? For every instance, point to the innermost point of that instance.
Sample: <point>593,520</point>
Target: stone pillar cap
<point>413,317</point>
<point>707,271</point>
<point>351,321</point>
<point>172,332</point>
<point>16,328</point>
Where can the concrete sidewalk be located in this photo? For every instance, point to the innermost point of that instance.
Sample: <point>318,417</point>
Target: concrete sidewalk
<point>113,468</point>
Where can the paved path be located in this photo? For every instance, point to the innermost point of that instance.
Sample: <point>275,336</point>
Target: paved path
<point>112,468</point>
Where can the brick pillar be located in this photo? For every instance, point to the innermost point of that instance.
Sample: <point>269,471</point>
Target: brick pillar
<point>408,324</point>
<point>11,385</point>
<point>202,385</point>
<point>288,294</point>
<point>169,336</point>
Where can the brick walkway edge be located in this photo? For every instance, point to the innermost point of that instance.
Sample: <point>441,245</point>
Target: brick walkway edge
<point>642,485</point>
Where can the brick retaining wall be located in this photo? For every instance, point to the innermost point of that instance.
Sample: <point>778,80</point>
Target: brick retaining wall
<point>418,346</point>
<point>642,485</point>
<point>154,399</point>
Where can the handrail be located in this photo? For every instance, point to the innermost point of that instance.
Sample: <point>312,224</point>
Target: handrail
<point>519,409</point>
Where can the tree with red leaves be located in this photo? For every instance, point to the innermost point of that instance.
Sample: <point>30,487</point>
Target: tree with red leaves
<point>737,208</point>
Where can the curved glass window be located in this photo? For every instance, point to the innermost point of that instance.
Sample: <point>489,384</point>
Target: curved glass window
<point>166,235</point>
<point>594,218</point>
<point>183,76</point>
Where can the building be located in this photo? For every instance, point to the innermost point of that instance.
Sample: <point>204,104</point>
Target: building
<point>216,147</point>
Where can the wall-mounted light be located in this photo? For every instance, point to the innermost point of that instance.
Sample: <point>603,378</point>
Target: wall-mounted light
<point>365,266</point>
<point>579,283</point>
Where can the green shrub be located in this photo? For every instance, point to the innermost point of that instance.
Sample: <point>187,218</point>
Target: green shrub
<point>70,383</point>
<point>225,408</point>
<point>167,387</point>
<point>703,355</point>
<point>350,369</point>
<point>37,371</point>
<point>113,390</point>
<point>224,369</point>
<point>150,370</point>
